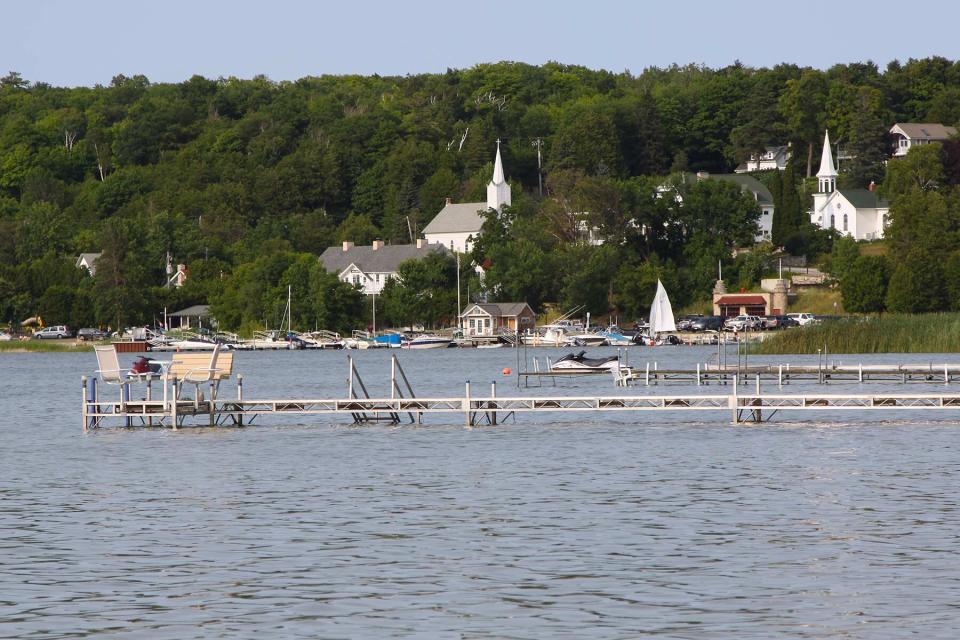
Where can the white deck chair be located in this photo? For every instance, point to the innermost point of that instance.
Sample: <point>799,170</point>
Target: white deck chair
<point>109,365</point>
<point>196,375</point>
<point>110,373</point>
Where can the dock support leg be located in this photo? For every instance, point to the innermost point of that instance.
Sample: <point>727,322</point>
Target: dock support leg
<point>83,406</point>
<point>124,399</point>
<point>149,399</point>
<point>173,404</point>
<point>735,413</point>
<point>211,398</point>
<point>239,419</point>
<point>466,405</point>
<point>698,374</point>
<point>493,395</point>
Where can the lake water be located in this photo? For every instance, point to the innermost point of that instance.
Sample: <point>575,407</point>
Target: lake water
<point>563,526</point>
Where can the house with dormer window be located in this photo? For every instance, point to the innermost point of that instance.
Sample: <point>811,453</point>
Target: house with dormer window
<point>369,267</point>
<point>771,158</point>
<point>912,134</point>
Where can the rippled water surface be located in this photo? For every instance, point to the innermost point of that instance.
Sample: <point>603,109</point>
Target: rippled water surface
<point>573,526</point>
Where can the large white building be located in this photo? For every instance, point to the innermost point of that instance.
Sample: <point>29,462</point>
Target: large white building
<point>370,267</point>
<point>859,213</point>
<point>458,225</point>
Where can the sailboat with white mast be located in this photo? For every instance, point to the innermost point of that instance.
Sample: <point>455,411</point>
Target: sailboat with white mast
<point>661,317</point>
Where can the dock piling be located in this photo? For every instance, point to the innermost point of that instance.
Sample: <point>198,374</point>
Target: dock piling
<point>83,406</point>
<point>466,404</point>
<point>239,418</point>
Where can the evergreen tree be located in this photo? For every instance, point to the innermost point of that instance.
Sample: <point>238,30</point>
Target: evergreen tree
<point>864,287</point>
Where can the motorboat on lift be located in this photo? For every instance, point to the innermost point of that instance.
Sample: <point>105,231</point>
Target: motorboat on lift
<point>428,341</point>
<point>580,362</point>
<point>616,337</point>
<point>564,332</point>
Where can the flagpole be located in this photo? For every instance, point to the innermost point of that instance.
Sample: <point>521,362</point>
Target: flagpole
<point>459,307</point>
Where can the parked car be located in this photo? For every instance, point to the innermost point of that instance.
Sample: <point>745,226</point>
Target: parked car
<point>779,322</point>
<point>55,332</point>
<point>743,323</point>
<point>707,323</point>
<point>89,333</point>
<point>685,322</point>
<point>803,319</point>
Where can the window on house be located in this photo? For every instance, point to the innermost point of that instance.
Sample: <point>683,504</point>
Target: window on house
<point>473,323</point>
<point>844,222</point>
<point>833,221</point>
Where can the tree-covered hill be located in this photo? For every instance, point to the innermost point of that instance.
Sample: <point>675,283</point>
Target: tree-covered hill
<point>223,173</point>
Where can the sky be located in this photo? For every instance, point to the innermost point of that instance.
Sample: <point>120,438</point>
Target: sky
<point>73,43</point>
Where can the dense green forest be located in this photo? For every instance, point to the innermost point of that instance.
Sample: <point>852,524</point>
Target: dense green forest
<point>247,181</point>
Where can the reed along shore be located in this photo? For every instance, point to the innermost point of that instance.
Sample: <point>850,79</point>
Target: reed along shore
<point>889,333</point>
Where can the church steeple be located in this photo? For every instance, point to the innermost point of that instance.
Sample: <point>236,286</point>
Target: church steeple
<point>828,173</point>
<point>498,191</point>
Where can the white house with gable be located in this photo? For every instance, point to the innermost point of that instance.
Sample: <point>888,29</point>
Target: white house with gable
<point>370,267</point>
<point>858,213</point>
<point>458,225</point>
<point>911,134</point>
<point>771,158</point>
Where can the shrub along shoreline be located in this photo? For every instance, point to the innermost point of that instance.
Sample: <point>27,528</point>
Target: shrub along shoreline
<point>890,333</point>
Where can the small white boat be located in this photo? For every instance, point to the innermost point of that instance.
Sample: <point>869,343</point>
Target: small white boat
<point>586,339</point>
<point>427,341</point>
<point>580,362</point>
<point>661,320</point>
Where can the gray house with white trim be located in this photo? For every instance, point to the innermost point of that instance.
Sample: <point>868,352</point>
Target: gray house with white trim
<point>369,267</point>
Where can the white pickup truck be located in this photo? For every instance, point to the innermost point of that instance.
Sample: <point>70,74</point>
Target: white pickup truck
<point>803,318</point>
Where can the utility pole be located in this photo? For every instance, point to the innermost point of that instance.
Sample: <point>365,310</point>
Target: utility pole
<point>538,143</point>
<point>459,306</point>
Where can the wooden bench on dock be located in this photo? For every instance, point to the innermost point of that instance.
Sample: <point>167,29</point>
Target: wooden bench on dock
<point>198,368</point>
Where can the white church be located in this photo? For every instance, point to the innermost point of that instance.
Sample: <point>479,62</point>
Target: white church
<point>859,213</point>
<point>457,226</point>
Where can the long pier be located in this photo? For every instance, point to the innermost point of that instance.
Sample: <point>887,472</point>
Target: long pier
<point>493,409</point>
<point>206,408</point>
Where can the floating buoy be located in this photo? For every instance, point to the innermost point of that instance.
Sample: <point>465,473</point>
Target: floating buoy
<point>506,371</point>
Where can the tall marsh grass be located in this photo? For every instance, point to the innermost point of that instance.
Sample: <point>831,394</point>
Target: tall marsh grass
<point>891,333</point>
<point>21,346</point>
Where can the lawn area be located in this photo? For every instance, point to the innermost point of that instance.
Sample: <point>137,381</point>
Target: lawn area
<point>819,301</point>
